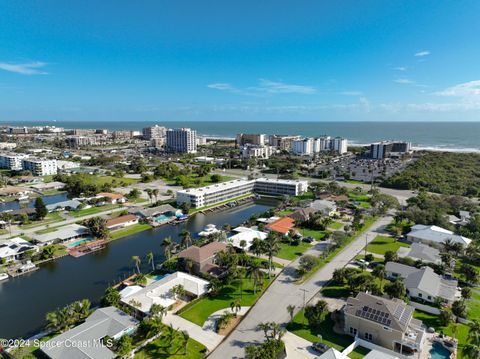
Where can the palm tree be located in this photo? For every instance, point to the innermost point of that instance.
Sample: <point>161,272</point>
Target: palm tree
<point>471,351</point>
<point>474,332</point>
<point>155,193</point>
<point>149,192</point>
<point>235,306</point>
<point>167,247</point>
<point>255,272</point>
<point>189,264</point>
<point>186,338</point>
<point>291,311</point>
<point>186,238</point>
<point>151,260</point>
<point>136,260</point>
<point>272,246</point>
<point>257,247</point>
<point>158,310</point>
<point>379,272</point>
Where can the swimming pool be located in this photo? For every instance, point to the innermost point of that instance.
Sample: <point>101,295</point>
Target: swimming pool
<point>439,352</point>
<point>161,218</point>
<point>158,277</point>
<point>76,243</point>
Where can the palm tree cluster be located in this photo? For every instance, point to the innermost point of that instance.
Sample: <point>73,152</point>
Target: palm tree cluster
<point>472,349</point>
<point>273,344</point>
<point>64,318</point>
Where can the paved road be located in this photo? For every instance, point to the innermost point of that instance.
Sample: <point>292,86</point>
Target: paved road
<point>283,292</point>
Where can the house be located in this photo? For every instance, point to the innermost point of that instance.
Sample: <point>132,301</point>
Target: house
<point>159,292</point>
<point>122,221</point>
<point>385,322</point>
<point>49,186</point>
<point>247,235</point>
<point>282,225</point>
<point>435,236</point>
<point>14,248</point>
<point>203,258</point>
<point>154,212</point>
<point>84,341</point>
<point>64,205</point>
<point>29,212</point>
<point>61,234</point>
<point>423,283</point>
<point>10,191</point>
<point>112,198</point>
<point>327,208</point>
<point>463,219</point>
<point>302,214</point>
<point>420,252</point>
<point>333,353</point>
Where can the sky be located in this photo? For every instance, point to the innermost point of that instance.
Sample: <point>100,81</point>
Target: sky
<point>261,60</point>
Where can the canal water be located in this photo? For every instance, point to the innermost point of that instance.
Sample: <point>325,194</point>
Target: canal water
<point>25,300</point>
<point>60,197</point>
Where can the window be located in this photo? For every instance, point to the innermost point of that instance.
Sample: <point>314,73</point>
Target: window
<point>420,295</point>
<point>368,336</point>
<point>429,297</point>
<point>353,331</point>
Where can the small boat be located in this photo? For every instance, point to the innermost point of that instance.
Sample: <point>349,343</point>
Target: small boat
<point>208,230</point>
<point>22,198</point>
<point>27,267</point>
<point>3,276</point>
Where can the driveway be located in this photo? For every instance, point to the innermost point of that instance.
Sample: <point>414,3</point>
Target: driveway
<point>271,307</point>
<point>298,348</point>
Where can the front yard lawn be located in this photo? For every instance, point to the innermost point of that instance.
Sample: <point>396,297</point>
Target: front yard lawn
<point>134,228</point>
<point>318,235</point>
<point>164,348</point>
<point>50,218</point>
<point>329,337</point>
<point>290,252</point>
<point>199,310</point>
<point>93,210</point>
<point>335,225</point>
<point>383,244</point>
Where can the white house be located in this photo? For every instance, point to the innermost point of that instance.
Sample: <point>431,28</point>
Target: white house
<point>435,235</point>
<point>61,234</point>
<point>245,234</point>
<point>12,249</point>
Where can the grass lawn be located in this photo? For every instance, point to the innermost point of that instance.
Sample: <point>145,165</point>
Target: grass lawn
<point>137,200</point>
<point>473,304</point>
<point>46,230</point>
<point>359,197</point>
<point>382,244</point>
<point>135,228</point>
<point>291,252</point>
<point>284,213</point>
<point>335,290</point>
<point>318,235</point>
<point>431,320</point>
<point>358,353</point>
<point>199,310</point>
<point>50,218</point>
<point>163,348</point>
<point>101,180</point>
<point>31,350</point>
<point>93,210</point>
<point>365,205</point>
<point>306,195</point>
<point>329,337</point>
<point>335,225</point>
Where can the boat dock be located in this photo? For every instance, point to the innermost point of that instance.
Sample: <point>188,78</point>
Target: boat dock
<point>87,248</point>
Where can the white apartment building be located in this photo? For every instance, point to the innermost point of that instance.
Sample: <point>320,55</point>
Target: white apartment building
<point>385,149</point>
<point>339,145</point>
<point>252,151</point>
<point>210,195</point>
<point>81,141</point>
<point>303,147</point>
<point>253,139</point>
<point>283,142</point>
<point>152,132</point>
<point>181,140</point>
<point>12,161</point>
<point>40,166</point>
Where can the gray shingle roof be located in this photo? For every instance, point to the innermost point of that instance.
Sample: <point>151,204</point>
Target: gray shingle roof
<point>419,251</point>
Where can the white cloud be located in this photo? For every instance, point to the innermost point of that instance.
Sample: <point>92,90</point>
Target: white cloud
<point>404,81</point>
<point>422,53</point>
<point>351,93</point>
<point>31,68</point>
<point>466,90</point>
<point>400,68</point>
<point>221,86</point>
<point>281,87</point>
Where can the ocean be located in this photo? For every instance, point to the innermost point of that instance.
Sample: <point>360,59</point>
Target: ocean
<point>448,136</point>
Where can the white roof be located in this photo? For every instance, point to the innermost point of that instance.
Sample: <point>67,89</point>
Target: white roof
<point>281,181</point>
<point>247,235</point>
<point>158,292</point>
<point>436,234</point>
<point>131,289</point>
<point>62,233</point>
<point>333,353</point>
<point>217,187</point>
<point>13,246</point>
<point>376,354</point>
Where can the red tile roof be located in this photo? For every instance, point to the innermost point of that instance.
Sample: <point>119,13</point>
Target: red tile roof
<point>282,225</point>
<point>110,195</point>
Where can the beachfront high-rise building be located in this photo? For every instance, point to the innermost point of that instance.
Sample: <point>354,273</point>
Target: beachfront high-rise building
<point>282,142</point>
<point>339,145</point>
<point>181,140</point>
<point>303,147</point>
<point>243,139</point>
<point>385,149</point>
<point>152,132</point>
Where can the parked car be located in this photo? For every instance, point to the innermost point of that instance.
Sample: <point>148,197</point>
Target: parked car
<point>320,347</point>
<point>362,263</point>
<point>308,239</point>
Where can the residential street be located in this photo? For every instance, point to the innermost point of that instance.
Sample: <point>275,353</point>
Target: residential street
<point>272,305</point>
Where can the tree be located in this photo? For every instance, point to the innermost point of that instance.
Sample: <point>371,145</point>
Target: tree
<point>97,227</point>
<point>124,345</point>
<point>235,306</point>
<point>151,260</point>
<point>158,310</point>
<point>40,208</point>
<point>257,247</point>
<point>167,244</point>
<point>307,263</point>
<point>474,332</point>
<point>255,272</point>
<point>186,238</point>
<point>470,273</point>
<point>178,291</point>
<point>111,297</point>
<point>446,317</point>
<point>136,260</point>
<point>272,246</point>
<point>47,252</point>
<point>215,178</point>
<point>471,351</point>
<point>396,289</point>
<point>291,311</point>
<point>149,193</point>
<point>379,272</point>
<point>315,314</point>
<point>186,338</point>
<point>466,292</point>
<point>459,308</point>
<point>155,193</point>
<point>390,256</point>
<point>224,319</point>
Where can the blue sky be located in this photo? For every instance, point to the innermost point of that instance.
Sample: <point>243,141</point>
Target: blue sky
<point>239,61</point>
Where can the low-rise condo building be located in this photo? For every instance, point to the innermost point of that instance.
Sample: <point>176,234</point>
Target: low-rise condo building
<point>12,161</point>
<point>40,166</point>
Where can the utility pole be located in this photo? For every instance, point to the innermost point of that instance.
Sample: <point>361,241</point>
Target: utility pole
<point>366,244</point>
<point>304,305</point>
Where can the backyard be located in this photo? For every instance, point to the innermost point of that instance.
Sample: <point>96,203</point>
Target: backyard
<point>93,210</point>
<point>50,218</point>
<point>383,244</point>
<point>135,228</point>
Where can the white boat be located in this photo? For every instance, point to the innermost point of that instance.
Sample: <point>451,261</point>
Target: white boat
<point>208,230</point>
<point>23,198</point>
<point>27,267</point>
<point>3,276</point>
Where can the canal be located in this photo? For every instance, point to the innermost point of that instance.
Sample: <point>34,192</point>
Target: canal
<point>25,300</point>
<point>7,206</point>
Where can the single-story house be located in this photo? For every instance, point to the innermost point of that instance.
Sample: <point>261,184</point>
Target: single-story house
<point>29,212</point>
<point>83,341</point>
<point>14,248</point>
<point>462,219</point>
<point>112,198</point>
<point>303,214</point>
<point>283,225</point>
<point>435,235</point>
<point>420,252</point>
<point>245,234</point>
<point>64,205</point>
<point>325,207</point>
<point>203,258</point>
<point>152,212</point>
<point>122,221</point>
<point>49,186</point>
<point>62,234</point>
<point>11,191</point>
<point>159,292</point>
<point>423,283</point>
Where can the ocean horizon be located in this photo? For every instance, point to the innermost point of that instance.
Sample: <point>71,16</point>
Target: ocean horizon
<point>446,136</point>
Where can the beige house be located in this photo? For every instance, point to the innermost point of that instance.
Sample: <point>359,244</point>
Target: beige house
<point>203,258</point>
<point>385,322</point>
